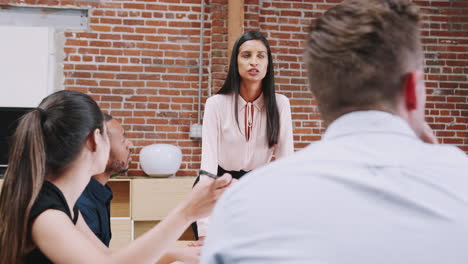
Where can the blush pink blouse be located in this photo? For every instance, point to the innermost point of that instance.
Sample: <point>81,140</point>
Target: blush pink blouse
<point>241,147</point>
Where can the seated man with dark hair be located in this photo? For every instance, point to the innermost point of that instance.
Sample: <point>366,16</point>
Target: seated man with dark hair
<point>94,202</point>
<point>375,189</point>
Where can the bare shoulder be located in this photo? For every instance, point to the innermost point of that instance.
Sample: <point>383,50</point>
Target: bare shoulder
<point>52,232</point>
<point>42,230</point>
<point>43,221</point>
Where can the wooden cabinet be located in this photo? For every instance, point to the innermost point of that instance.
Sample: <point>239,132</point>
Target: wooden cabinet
<point>121,232</point>
<point>139,204</point>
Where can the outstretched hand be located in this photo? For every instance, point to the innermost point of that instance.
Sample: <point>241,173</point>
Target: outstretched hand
<point>204,195</point>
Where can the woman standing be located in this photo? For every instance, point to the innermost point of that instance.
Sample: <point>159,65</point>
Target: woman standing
<point>246,122</point>
<point>56,149</point>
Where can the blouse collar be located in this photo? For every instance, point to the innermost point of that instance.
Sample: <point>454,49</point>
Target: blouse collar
<point>258,103</point>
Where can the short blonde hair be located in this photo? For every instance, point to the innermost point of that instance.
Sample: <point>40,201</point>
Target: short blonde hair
<point>359,52</point>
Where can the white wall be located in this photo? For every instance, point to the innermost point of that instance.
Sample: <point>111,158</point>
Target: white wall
<point>27,65</point>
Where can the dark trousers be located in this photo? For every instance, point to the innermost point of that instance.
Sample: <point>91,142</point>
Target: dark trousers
<point>221,171</point>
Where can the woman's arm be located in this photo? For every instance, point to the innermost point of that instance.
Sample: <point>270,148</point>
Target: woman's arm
<point>285,144</point>
<point>186,255</point>
<point>210,135</point>
<point>209,161</point>
<point>56,236</point>
<point>62,242</point>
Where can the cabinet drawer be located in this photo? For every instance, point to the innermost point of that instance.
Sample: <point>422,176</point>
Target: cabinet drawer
<point>153,199</point>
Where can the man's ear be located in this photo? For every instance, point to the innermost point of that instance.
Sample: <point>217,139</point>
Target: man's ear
<point>410,87</point>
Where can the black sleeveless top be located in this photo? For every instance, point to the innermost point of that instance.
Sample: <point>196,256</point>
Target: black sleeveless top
<point>50,197</point>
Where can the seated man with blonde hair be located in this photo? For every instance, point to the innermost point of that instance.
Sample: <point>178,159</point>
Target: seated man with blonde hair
<point>374,189</point>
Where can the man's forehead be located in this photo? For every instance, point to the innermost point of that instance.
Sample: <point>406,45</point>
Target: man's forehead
<point>114,126</point>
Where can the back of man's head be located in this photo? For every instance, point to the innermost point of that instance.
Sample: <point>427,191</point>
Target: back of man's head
<point>359,52</point>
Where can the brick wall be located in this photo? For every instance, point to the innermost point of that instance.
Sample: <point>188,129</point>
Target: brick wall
<point>139,60</point>
<point>445,38</point>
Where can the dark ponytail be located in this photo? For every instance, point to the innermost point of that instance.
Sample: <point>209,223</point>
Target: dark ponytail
<point>19,192</point>
<point>45,142</point>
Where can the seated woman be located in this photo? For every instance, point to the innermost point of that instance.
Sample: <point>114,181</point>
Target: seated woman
<point>56,149</point>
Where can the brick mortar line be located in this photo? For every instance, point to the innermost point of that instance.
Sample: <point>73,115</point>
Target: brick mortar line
<point>139,17</point>
<point>142,26</point>
<point>129,87</point>
<point>115,64</point>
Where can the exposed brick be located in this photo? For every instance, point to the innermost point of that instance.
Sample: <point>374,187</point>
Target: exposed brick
<point>139,60</point>
<point>110,83</point>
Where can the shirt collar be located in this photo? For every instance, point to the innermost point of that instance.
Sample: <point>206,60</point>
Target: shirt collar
<point>258,103</point>
<point>102,192</point>
<point>368,122</point>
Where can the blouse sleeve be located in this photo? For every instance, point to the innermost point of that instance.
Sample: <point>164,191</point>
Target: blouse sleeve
<point>285,144</point>
<point>209,161</point>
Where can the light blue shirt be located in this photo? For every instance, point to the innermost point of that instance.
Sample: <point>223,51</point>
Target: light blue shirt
<point>369,192</point>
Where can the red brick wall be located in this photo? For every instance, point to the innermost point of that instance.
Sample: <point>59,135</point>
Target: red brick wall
<point>139,61</point>
<point>445,38</point>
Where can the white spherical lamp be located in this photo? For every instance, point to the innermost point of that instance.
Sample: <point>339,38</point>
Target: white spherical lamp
<point>160,160</point>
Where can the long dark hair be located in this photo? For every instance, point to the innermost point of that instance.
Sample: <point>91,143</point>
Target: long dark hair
<point>232,85</point>
<point>45,142</point>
